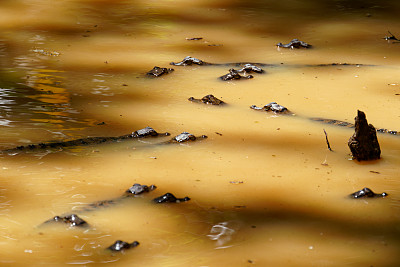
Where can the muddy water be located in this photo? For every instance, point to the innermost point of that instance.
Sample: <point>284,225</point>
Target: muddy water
<point>264,189</point>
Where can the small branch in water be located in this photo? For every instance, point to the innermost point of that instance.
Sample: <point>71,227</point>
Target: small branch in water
<point>327,142</point>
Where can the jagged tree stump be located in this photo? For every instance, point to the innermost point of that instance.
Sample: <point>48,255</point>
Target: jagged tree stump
<point>364,143</point>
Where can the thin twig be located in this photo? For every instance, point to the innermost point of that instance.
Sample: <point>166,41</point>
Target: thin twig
<point>327,142</point>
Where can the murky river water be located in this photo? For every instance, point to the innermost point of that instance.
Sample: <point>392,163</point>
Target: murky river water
<point>264,189</point>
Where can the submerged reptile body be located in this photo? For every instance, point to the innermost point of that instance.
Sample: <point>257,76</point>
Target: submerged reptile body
<point>145,132</point>
<point>189,61</point>
<point>334,122</point>
<point>279,109</point>
<point>350,125</point>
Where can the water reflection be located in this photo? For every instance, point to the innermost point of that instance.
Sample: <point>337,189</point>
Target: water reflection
<point>38,100</point>
<point>33,95</point>
<point>2,48</point>
<point>49,86</point>
<point>290,198</point>
<point>100,88</point>
<point>37,39</point>
<point>27,62</point>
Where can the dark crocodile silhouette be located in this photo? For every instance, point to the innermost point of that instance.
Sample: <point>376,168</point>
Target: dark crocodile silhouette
<point>145,132</point>
<point>208,99</point>
<point>157,71</point>
<point>119,246</point>
<point>242,72</point>
<point>275,108</point>
<point>350,125</point>
<point>366,192</point>
<point>295,43</point>
<point>134,190</point>
<point>279,109</point>
<point>185,137</point>
<point>189,61</point>
<point>246,68</point>
<point>142,133</point>
<point>272,107</point>
<point>73,220</point>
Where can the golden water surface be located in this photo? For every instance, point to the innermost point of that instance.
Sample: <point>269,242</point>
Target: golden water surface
<point>265,190</point>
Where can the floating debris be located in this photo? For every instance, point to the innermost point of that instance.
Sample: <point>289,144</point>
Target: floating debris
<point>327,141</point>
<point>46,52</point>
<point>391,37</point>
<point>170,198</point>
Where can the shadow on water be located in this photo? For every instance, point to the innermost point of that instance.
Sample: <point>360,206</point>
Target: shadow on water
<point>39,96</point>
<point>220,228</point>
<point>91,18</point>
<point>39,102</point>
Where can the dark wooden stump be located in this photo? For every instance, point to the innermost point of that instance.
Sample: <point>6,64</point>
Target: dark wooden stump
<point>364,143</point>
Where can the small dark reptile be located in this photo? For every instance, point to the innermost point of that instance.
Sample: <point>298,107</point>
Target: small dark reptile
<point>170,198</point>
<point>122,245</point>
<point>366,192</point>
<point>157,71</point>
<point>208,99</point>
<point>185,137</point>
<point>71,219</point>
<point>295,43</point>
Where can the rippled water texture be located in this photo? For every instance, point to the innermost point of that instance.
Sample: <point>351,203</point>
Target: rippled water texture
<point>264,188</point>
